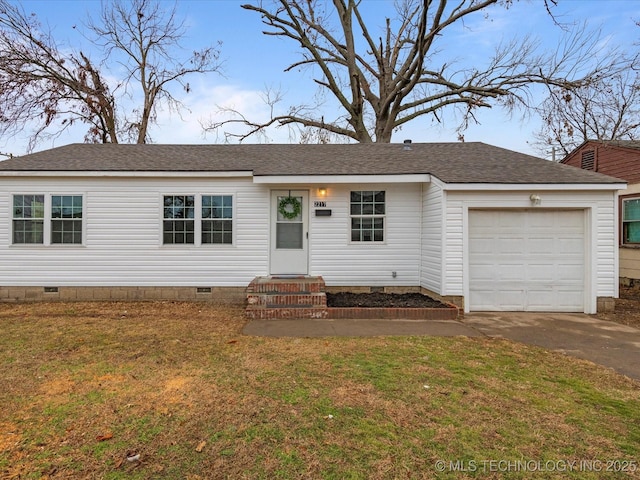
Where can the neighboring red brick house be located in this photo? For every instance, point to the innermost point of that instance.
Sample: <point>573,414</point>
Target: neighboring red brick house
<point>620,159</point>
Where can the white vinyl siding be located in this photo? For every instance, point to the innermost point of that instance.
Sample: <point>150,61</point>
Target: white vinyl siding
<point>432,225</point>
<point>600,241</point>
<point>345,263</point>
<point>123,236</point>
<point>426,239</point>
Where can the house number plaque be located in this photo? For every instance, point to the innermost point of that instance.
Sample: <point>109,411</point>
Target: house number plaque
<point>319,204</point>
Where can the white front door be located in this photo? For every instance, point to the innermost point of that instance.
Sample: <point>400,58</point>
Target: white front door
<point>289,232</point>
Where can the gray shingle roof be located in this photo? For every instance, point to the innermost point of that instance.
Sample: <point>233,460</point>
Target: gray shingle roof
<point>472,162</point>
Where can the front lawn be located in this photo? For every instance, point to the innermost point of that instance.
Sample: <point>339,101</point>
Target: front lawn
<point>174,390</point>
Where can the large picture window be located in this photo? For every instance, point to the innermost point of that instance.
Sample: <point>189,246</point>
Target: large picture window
<point>367,216</point>
<point>217,219</point>
<point>178,223</point>
<point>28,219</point>
<point>631,221</point>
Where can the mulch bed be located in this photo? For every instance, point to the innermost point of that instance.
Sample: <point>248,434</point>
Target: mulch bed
<point>382,300</point>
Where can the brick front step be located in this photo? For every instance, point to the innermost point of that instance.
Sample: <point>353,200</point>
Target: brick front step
<point>304,297</point>
<point>267,285</point>
<point>286,297</point>
<point>270,300</point>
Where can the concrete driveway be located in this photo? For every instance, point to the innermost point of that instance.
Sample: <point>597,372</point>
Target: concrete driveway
<point>606,343</point>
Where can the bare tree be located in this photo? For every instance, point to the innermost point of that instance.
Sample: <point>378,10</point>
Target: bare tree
<point>606,108</point>
<point>380,83</point>
<point>52,87</point>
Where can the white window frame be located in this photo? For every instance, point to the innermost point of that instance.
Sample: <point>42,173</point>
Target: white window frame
<point>372,216</point>
<point>203,219</point>
<point>52,219</point>
<point>48,219</point>
<point>194,219</point>
<point>197,220</point>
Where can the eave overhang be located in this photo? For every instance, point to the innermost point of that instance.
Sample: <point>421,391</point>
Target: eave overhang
<point>335,179</point>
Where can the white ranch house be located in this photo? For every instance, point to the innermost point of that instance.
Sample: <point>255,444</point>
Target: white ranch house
<point>480,226</point>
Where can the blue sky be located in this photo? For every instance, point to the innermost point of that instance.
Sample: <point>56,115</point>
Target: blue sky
<point>253,62</point>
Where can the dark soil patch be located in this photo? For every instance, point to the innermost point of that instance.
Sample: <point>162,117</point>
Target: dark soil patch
<point>627,310</point>
<point>382,300</point>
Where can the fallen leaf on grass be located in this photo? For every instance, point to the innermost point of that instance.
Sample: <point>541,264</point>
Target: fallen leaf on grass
<point>106,436</point>
<point>232,341</point>
<point>201,446</point>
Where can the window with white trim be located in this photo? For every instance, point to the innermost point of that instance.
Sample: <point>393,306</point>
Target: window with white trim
<point>66,219</point>
<point>43,219</point>
<point>197,219</point>
<point>631,221</point>
<point>28,219</point>
<point>367,215</point>
<point>178,220</point>
<point>217,219</point>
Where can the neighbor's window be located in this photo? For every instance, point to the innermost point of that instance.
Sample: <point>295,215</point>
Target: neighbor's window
<point>28,219</point>
<point>631,221</point>
<point>217,219</point>
<point>367,216</point>
<point>66,219</point>
<point>178,222</point>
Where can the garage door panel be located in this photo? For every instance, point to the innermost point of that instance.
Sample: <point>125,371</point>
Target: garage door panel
<point>509,272</point>
<point>486,299</point>
<point>482,245</point>
<point>542,272</point>
<point>540,246</point>
<point>569,246</point>
<point>506,246</point>
<point>540,299</point>
<point>569,273</point>
<point>526,260</point>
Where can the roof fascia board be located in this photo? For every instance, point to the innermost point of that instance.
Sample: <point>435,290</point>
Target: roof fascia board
<point>333,179</point>
<point>119,173</point>
<point>533,186</point>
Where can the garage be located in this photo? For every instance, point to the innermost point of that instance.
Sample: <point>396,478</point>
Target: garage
<point>527,260</point>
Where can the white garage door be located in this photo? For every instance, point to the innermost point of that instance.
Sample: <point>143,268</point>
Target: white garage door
<point>526,260</point>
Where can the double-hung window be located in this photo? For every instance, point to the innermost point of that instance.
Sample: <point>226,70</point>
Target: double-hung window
<point>28,219</point>
<point>197,220</point>
<point>178,224</point>
<point>631,221</point>
<point>40,219</point>
<point>217,219</point>
<point>66,219</point>
<point>367,216</point>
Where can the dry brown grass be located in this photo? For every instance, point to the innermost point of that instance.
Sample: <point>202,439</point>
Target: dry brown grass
<point>87,386</point>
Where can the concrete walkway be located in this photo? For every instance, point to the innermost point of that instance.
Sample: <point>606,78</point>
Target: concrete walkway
<point>582,336</point>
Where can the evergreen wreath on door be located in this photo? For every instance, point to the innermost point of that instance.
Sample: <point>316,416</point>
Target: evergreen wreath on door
<point>289,207</point>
